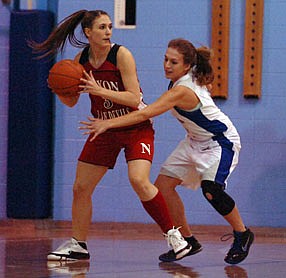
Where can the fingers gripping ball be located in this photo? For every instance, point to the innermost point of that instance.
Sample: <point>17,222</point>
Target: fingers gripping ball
<point>64,77</point>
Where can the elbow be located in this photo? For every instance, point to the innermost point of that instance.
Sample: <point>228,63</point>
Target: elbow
<point>136,102</point>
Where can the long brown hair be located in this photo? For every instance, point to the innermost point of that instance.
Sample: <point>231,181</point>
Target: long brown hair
<point>66,31</point>
<point>197,58</point>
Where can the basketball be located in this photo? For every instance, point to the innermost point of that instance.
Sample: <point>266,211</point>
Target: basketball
<point>64,77</point>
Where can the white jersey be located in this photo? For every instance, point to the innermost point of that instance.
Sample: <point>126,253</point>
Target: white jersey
<point>208,121</point>
<point>211,148</point>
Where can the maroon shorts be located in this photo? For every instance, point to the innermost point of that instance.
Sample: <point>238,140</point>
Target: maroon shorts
<point>138,143</point>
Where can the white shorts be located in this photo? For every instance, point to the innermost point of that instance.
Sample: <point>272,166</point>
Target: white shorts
<point>194,161</point>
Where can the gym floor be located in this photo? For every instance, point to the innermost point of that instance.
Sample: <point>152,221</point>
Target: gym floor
<point>132,250</point>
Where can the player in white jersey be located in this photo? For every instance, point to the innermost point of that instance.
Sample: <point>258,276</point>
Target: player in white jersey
<point>209,131</point>
<point>208,153</point>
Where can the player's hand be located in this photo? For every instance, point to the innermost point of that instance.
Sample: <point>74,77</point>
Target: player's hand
<point>89,84</point>
<point>94,126</point>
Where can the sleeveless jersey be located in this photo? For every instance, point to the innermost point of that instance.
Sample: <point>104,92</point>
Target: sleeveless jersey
<point>108,76</point>
<point>207,122</point>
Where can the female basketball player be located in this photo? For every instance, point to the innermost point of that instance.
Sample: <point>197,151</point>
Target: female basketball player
<point>113,67</point>
<point>207,155</point>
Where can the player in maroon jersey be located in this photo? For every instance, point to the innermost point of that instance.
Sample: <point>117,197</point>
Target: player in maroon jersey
<point>114,69</point>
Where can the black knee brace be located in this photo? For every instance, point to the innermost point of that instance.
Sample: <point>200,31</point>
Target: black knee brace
<point>217,197</point>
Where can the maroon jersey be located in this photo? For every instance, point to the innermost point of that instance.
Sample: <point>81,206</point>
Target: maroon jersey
<point>108,76</point>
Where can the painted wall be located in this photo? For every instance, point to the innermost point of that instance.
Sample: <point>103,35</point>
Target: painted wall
<point>258,182</point>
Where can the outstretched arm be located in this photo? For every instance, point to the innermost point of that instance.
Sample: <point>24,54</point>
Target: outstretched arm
<point>165,102</point>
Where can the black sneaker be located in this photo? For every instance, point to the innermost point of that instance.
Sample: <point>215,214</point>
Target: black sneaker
<point>196,246</point>
<point>171,256</point>
<point>240,247</point>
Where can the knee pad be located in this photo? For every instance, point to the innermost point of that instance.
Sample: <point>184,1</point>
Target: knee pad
<point>216,196</point>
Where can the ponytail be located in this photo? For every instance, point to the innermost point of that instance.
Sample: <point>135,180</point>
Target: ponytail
<point>66,31</point>
<point>198,59</point>
<point>203,71</point>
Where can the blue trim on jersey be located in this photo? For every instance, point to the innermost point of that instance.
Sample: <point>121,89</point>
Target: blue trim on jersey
<point>217,128</point>
<point>224,165</point>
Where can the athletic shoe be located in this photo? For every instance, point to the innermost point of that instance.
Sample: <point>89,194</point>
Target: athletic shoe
<point>196,246</point>
<point>69,267</point>
<point>180,247</point>
<point>171,256</point>
<point>240,247</point>
<point>70,250</point>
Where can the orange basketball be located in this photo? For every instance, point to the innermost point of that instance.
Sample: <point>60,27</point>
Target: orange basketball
<point>64,77</point>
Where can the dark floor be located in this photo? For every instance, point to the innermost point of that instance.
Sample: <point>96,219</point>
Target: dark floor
<point>131,250</point>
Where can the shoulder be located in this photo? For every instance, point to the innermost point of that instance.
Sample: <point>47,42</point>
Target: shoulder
<point>184,97</point>
<point>180,90</point>
<point>124,53</point>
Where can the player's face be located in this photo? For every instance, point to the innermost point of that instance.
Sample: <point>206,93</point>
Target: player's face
<point>174,64</point>
<point>101,31</point>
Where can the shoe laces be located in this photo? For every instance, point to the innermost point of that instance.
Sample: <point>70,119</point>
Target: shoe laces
<point>67,244</point>
<point>236,245</point>
<point>174,238</point>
